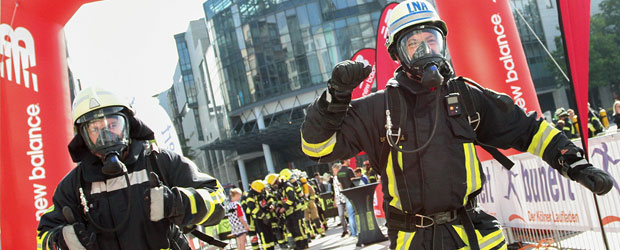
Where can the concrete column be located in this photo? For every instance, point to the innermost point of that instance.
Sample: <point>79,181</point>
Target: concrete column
<point>266,149</point>
<point>225,166</point>
<point>244,176</point>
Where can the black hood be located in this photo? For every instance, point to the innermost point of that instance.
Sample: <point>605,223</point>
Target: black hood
<point>137,131</point>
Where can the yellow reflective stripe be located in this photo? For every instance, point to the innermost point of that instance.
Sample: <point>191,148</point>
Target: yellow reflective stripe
<point>211,209</point>
<point>50,209</point>
<point>491,240</point>
<point>472,169</point>
<point>403,240</point>
<point>542,138</point>
<point>40,244</point>
<point>461,232</point>
<point>392,190</point>
<point>192,199</point>
<point>318,149</point>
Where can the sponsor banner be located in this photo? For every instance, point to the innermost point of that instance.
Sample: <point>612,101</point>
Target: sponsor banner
<point>495,58</point>
<point>534,195</point>
<point>574,22</point>
<point>387,66</point>
<point>36,114</point>
<point>367,56</point>
<point>377,202</point>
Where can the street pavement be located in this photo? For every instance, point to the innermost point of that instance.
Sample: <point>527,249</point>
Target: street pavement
<point>332,239</point>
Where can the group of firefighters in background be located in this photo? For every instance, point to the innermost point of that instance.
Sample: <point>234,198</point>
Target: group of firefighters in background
<point>282,206</point>
<point>566,121</point>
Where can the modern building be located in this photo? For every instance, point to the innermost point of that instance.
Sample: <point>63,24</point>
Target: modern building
<point>193,104</point>
<point>542,17</point>
<point>272,59</point>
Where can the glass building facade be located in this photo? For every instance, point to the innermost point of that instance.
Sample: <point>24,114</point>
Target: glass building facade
<point>189,83</point>
<point>272,47</point>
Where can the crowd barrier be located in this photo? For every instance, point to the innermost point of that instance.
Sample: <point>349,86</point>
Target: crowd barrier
<point>537,205</point>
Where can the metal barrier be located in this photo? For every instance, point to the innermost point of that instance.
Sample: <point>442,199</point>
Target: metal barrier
<point>540,209</point>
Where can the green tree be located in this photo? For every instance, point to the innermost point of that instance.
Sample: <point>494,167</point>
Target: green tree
<point>604,48</point>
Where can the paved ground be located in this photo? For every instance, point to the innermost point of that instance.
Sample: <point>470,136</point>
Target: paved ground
<point>332,240</point>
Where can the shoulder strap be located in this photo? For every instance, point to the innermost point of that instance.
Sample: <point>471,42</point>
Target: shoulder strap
<point>152,159</point>
<point>458,85</point>
<point>394,96</point>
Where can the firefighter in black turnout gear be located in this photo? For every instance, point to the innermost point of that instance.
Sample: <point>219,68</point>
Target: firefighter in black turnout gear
<point>291,208</point>
<point>260,208</point>
<point>420,133</point>
<point>125,193</point>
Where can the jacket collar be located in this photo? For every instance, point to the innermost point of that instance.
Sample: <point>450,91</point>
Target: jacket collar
<point>401,79</point>
<point>91,165</point>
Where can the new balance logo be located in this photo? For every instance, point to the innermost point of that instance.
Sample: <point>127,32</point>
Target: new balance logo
<point>17,56</point>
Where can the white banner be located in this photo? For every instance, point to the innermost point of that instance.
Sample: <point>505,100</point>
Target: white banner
<point>153,115</point>
<point>534,195</point>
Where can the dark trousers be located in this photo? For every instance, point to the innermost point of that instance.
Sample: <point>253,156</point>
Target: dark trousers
<point>295,226</point>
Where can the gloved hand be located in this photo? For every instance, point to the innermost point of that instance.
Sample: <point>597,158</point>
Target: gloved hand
<point>75,235</point>
<point>164,202</point>
<point>346,76</point>
<point>575,166</point>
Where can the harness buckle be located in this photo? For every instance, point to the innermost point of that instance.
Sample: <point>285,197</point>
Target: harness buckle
<point>475,120</point>
<point>422,218</point>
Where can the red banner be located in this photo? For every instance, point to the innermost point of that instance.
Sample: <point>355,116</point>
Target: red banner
<point>485,46</point>
<point>35,111</point>
<point>377,202</point>
<point>387,65</point>
<point>367,56</point>
<point>575,26</point>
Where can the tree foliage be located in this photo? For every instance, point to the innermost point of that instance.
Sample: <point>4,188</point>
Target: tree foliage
<point>604,47</point>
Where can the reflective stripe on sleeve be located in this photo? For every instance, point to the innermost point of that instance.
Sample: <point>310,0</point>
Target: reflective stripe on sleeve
<point>71,239</point>
<point>209,204</point>
<point>472,169</point>
<point>41,241</point>
<point>192,199</point>
<point>542,138</point>
<point>318,149</point>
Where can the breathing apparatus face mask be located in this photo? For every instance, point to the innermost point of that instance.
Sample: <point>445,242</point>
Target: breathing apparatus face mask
<point>422,53</point>
<point>107,135</point>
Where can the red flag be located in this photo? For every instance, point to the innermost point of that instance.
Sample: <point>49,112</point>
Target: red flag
<point>386,66</point>
<point>575,26</point>
<point>367,56</point>
<point>36,113</point>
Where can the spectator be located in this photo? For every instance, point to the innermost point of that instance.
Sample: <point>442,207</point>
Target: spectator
<point>320,186</point>
<point>358,174</point>
<point>327,181</point>
<point>616,113</point>
<point>339,200</point>
<point>370,172</point>
<point>345,176</point>
<point>238,226</point>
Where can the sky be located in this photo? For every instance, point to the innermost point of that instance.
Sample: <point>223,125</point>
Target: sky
<point>128,46</point>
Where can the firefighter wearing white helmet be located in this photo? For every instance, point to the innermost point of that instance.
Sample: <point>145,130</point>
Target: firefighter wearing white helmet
<point>114,198</point>
<point>419,133</point>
